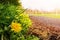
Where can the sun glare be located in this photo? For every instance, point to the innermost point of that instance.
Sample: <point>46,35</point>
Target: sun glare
<point>45,5</point>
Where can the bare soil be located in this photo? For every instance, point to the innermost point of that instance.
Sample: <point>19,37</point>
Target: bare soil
<point>45,28</point>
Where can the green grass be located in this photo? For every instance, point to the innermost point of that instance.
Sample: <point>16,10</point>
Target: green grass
<point>48,15</point>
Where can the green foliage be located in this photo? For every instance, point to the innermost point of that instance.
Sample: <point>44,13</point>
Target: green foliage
<point>32,37</point>
<point>24,20</point>
<point>28,37</point>
<point>7,15</point>
<point>9,12</point>
<point>15,2</point>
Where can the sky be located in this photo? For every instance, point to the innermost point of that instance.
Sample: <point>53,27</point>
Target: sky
<point>45,5</point>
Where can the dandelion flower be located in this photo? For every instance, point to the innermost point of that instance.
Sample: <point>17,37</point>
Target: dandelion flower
<point>16,27</point>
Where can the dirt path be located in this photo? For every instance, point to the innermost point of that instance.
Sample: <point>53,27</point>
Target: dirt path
<point>46,20</point>
<point>45,27</point>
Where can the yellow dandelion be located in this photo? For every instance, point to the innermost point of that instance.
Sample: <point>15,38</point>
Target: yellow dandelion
<point>16,27</point>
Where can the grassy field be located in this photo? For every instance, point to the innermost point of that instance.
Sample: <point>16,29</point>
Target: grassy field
<point>48,15</point>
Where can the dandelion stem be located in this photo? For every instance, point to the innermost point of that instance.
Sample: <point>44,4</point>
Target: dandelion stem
<point>2,37</point>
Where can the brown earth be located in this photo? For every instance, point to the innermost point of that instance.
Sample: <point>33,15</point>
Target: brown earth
<point>45,28</point>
